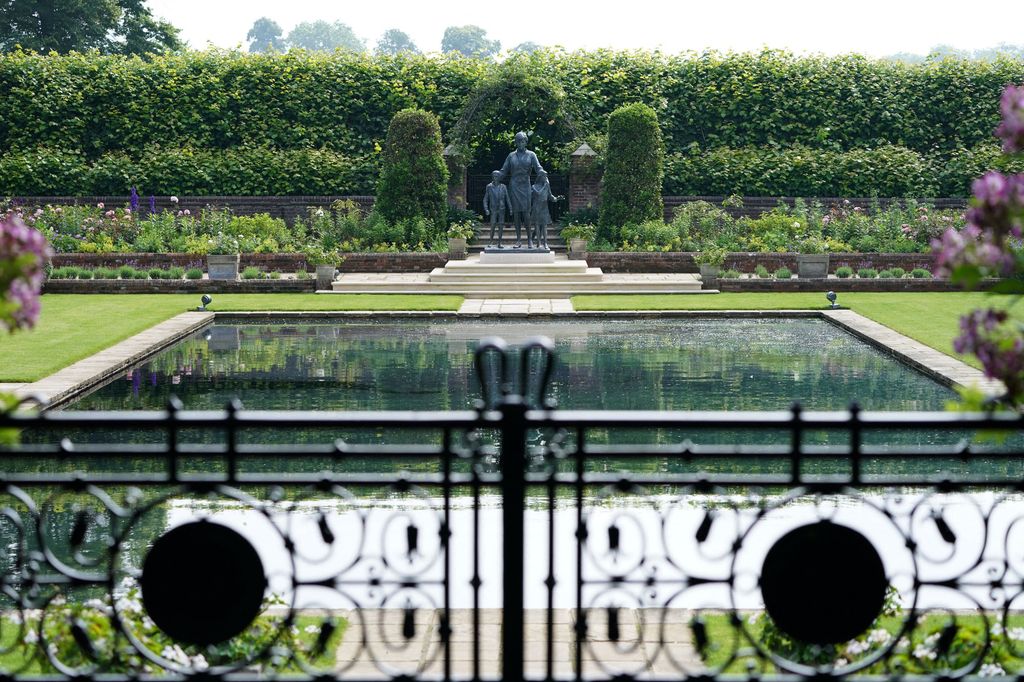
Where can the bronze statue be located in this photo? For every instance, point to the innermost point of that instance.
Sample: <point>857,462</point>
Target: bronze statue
<point>495,203</point>
<point>541,215</point>
<point>518,168</point>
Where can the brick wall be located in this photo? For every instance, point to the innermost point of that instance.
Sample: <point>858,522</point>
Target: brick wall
<point>584,191</point>
<point>184,286</point>
<point>747,262</point>
<point>755,206</point>
<point>838,285</point>
<point>285,207</point>
<point>269,262</point>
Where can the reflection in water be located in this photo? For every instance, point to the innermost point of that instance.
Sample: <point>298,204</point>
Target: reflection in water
<point>641,364</point>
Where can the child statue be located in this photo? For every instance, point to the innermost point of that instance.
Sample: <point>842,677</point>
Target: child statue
<point>541,195</point>
<point>495,202</point>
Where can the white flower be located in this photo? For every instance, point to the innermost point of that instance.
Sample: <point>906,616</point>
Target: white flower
<point>1016,634</point>
<point>991,670</point>
<point>98,605</point>
<point>14,617</point>
<point>857,647</point>
<point>319,213</point>
<point>997,629</point>
<point>879,636</point>
<point>922,652</point>
<point>199,663</point>
<point>31,637</point>
<point>174,200</point>
<point>902,645</point>
<point>312,629</point>
<point>840,662</point>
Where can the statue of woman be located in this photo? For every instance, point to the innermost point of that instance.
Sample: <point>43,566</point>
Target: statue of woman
<point>518,168</point>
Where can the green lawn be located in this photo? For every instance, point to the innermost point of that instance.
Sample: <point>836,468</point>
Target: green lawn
<point>74,326</point>
<point>931,318</point>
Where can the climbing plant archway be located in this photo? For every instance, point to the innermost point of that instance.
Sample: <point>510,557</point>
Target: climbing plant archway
<point>516,95</point>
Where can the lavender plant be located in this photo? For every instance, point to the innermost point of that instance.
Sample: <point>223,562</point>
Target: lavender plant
<point>991,246</point>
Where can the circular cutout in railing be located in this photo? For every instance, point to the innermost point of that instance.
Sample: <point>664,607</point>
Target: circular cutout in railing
<point>823,583</point>
<point>202,583</point>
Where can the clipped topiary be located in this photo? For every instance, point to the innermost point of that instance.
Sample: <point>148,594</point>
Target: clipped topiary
<point>414,178</point>
<point>634,169</point>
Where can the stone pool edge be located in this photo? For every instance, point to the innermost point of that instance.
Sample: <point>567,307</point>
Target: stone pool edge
<point>78,378</point>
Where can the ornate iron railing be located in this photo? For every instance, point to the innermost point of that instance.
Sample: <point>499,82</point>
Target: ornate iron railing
<point>511,542</point>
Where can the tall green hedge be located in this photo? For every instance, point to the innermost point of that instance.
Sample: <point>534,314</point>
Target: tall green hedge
<point>237,171</point>
<point>414,177</point>
<point>634,168</point>
<point>92,106</point>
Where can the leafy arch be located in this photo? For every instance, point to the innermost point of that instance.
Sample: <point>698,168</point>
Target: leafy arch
<point>515,95</point>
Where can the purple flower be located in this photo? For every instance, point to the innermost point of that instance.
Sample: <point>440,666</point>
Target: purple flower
<point>133,202</point>
<point>152,204</point>
<point>996,345</point>
<point>1011,130</point>
<point>23,252</point>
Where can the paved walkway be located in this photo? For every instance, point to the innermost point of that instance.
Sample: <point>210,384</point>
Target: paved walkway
<point>943,368</point>
<point>515,306</point>
<point>373,645</point>
<point>94,369</point>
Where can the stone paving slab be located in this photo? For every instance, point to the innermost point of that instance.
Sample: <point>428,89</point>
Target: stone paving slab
<point>84,374</point>
<point>373,646</point>
<point>936,364</point>
<point>515,306</point>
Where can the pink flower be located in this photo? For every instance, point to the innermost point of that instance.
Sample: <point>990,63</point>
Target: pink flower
<point>23,252</point>
<point>100,206</point>
<point>1011,130</point>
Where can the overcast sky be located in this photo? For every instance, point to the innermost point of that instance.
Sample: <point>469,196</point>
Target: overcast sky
<point>871,27</point>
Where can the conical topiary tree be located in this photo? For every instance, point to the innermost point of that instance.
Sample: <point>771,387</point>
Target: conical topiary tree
<point>414,178</point>
<point>634,168</point>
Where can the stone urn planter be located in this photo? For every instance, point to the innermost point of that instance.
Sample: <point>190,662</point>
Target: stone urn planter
<point>577,249</point>
<point>223,266</point>
<point>708,272</point>
<point>812,265</point>
<point>325,277</point>
<point>456,248</point>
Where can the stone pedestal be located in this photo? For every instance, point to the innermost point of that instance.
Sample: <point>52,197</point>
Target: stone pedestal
<point>495,256</point>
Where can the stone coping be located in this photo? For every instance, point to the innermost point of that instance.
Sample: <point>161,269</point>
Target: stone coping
<point>78,378</point>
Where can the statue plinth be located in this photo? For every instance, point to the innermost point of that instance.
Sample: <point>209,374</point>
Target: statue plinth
<point>510,255</point>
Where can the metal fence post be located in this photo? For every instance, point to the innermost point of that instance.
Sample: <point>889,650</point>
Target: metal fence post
<point>513,493</point>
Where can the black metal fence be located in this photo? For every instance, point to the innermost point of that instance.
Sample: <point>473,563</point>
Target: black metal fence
<point>513,542</point>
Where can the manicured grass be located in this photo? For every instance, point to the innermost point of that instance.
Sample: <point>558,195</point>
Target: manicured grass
<point>74,326</point>
<point>929,317</point>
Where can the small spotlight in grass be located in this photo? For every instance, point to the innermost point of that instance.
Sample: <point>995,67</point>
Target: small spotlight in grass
<point>831,296</point>
<point>207,300</point>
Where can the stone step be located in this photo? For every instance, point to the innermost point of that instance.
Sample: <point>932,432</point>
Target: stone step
<point>473,266</point>
<point>440,276</point>
<point>519,288</point>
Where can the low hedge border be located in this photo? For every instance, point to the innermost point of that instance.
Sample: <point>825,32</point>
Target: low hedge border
<point>182,286</point>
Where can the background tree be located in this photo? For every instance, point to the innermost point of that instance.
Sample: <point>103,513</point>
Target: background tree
<point>414,178</point>
<point>321,36</point>
<point>113,26</point>
<point>469,40</point>
<point>528,47</point>
<point>395,42</point>
<point>265,36</point>
<point>634,169</point>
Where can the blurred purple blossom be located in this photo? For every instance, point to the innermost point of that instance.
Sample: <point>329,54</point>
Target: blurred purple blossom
<point>998,346</point>
<point>1011,130</point>
<point>23,253</point>
<point>152,204</point>
<point>133,201</point>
